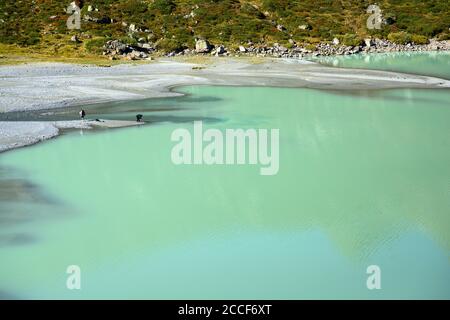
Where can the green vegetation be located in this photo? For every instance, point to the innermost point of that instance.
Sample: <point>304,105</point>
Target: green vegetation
<point>418,39</point>
<point>174,24</point>
<point>95,46</point>
<point>350,39</point>
<point>401,37</point>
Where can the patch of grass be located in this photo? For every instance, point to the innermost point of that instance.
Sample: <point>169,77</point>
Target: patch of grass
<point>418,39</point>
<point>95,46</point>
<point>401,37</point>
<point>350,39</point>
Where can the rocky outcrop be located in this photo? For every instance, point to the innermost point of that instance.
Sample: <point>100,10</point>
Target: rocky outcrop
<point>75,39</point>
<point>142,50</point>
<point>103,20</point>
<point>202,46</point>
<point>116,49</point>
<point>336,48</point>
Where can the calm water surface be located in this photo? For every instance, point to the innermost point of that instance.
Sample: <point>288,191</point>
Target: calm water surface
<point>364,179</point>
<point>435,63</point>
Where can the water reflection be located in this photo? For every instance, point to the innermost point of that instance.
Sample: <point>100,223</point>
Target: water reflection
<point>21,202</point>
<point>432,63</point>
<point>113,110</point>
<point>361,172</point>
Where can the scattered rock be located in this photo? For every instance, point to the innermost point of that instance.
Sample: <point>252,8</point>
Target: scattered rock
<point>132,28</point>
<point>202,46</point>
<point>146,46</point>
<point>104,20</point>
<point>75,39</point>
<point>116,48</point>
<point>304,27</point>
<point>88,18</point>
<point>368,42</point>
<point>143,49</point>
<point>220,50</point>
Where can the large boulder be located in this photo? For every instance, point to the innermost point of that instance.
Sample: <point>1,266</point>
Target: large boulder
<point>304,27</point>
<point>220,50</point>
<point>202,46</point>
<point>282,49</point>
<point>147,46</point>
<point>104,20</point>
<point>75,39</point>
<point>368,42</point>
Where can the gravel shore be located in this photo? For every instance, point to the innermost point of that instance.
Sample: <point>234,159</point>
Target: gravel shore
<point>16,134</point>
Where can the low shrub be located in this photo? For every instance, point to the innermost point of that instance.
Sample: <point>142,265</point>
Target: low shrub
<point>399,37</point>
<point>163,6</point>
<point>350,39</point>
<point>419,39</point>
<point>310,47</point>
<point>169,45</point>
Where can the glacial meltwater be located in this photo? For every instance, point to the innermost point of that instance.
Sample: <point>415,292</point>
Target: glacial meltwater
<point>434,63</point>
<point>364,179</point>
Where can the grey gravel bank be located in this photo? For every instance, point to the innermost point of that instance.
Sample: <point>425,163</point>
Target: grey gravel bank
<point>15,134</point>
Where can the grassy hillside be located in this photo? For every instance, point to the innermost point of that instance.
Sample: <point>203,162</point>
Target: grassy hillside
<point>39,26</point>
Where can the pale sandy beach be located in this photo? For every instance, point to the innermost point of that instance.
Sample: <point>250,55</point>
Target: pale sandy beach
<point>56,85</point>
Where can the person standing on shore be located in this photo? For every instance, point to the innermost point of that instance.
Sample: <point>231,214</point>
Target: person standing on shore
<point>82,114</point>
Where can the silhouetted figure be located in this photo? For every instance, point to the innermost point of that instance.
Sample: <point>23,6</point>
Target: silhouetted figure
<point>139,117</point>
<point>82,114</point>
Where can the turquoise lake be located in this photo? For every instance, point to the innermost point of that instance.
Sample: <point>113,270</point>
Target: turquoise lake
<point>364,179</point>
<point>435,63</point>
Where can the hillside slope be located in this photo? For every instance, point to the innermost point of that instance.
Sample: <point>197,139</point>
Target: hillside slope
<point>170,25</point>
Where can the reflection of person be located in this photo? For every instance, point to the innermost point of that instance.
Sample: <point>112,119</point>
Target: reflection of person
<point>82,114</point>
<point>139,117</point>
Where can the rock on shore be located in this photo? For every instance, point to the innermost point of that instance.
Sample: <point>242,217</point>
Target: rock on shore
<point>116,49</point>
